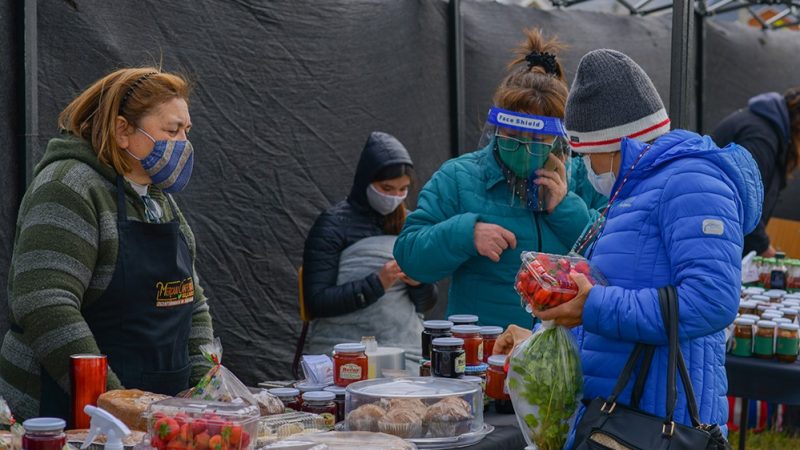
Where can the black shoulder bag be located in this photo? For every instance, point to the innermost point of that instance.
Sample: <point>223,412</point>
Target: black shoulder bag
<point>607,424</point>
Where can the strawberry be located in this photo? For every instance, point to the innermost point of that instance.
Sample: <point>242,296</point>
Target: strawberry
<point>201,441</point>
<point>541,298</point>
<point>236,435</point>
<point>166,428</point>
<point>214,425</point>
<point>158,443</point>
<point>532,287</point>
<point>176,444</point>
<point>198,426</point>
<point>563,265</point>
<point>215,443</point>
<point>544,260</point>
<point>185,433</point>
<point>245,439</point>
<point>181,418</point>
<point>582,267</point>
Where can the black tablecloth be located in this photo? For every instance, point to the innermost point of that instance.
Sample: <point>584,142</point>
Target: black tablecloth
<point>766,380</point>
<point>506,434</point>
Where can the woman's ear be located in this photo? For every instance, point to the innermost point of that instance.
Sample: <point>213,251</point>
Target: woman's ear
<point>122,134</point>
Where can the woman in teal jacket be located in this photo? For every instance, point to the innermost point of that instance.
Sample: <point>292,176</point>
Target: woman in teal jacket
<point>465,224</point>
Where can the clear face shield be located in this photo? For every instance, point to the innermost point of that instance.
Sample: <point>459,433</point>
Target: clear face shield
<point>523,144</point>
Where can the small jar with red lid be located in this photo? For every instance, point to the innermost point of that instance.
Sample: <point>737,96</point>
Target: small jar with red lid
<point>496,385</point>
<point>473,343</point>
<point>350,364</point>
<point>44,433</point>
<point>489,336</point>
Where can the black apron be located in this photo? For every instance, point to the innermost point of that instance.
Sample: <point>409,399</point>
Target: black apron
<point>142,320</point>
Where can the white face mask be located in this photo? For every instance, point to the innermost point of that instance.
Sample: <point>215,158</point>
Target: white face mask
<point>602,183</point>
<point>383,203</point>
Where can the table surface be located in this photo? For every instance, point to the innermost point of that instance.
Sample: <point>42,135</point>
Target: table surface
<point>506,434</point>
<point>767,380</point>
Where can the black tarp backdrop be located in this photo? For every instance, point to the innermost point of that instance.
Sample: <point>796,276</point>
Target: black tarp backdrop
<point>741,62</point>
<point>10,166</point>
<point>286,92</point>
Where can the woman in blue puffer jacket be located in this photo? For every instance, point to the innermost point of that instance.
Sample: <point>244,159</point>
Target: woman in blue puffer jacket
<point>679,209</point>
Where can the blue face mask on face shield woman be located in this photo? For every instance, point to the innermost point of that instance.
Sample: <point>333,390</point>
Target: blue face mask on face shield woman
<point>169,164</point>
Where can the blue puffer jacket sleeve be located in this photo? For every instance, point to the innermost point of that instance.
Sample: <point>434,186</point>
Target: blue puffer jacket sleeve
<point>701,231</point>
<point>436,238</point>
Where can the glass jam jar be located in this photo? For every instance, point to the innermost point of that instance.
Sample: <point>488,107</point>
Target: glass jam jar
<point>350,363</point>
<point>290,398</point>
<point>790,313</point>
<point>463,319</point>
<point>44,433</point>
<point>480,372</point>
<point>763,346</point>
<point>339,392</point>
<point>322,403</point>
<point>775,296</point>
<point>748,307</point>
<point>786,346</point>
<point>489,335</point>
<point>473,344</point>
<point>424,367</point>
<point>434,329</point>
<point>448,360</point>
<point>496,385</point>
<point>743,337</point>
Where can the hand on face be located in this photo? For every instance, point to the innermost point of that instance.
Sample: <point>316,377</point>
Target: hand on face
<point>554,180</point>
<point>492,240</point>
<point>569,314</point>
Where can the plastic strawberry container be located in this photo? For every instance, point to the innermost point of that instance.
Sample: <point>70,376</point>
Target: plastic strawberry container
<point>543,280</point>
<point>182,423</point>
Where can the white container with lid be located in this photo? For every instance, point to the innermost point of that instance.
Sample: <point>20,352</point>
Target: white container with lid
<point>463,319</point>
<point>350,347</point>
<point>41,424</point>
<point>319,396</point>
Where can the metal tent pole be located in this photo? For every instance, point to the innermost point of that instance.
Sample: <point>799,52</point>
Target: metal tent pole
<point>682,63</point>
<point>457,99</point>
<point>30,92</point>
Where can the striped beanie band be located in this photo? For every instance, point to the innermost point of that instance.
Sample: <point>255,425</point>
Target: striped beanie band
<point>612,98</point>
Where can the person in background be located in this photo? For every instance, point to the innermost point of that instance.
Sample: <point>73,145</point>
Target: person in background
<point>769,128</point>
<point>352,285</point>
<point>103,257</point>
<point>478,212</point>
<point>679,209</point>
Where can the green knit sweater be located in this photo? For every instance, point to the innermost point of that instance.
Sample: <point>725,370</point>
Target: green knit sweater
<point>65,253</point>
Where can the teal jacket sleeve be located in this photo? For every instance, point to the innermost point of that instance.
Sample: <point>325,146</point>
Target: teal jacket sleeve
<point>580,207</point>
<point>437,237</point>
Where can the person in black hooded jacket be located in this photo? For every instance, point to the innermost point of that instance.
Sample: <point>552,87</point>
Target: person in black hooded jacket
<point>769,128</point>
<point>374,207</point>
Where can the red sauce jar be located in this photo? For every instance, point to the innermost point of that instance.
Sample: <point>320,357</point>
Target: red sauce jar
<point>290,398</point>
<point>44,433</point>
<point>489,336</point>
<point>340,393</point>
<point>322,403</point>
<point>496,385</point>
<point>349,364</point>
<point>473,343</point>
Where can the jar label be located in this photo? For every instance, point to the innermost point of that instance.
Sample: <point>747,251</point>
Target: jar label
<point>461,363</point>
<point>742,346</point>
<point>350,372</point>
<point>763,345</point>
<point>787,346</point>
<point>330,419</point>
<point>480,352</point>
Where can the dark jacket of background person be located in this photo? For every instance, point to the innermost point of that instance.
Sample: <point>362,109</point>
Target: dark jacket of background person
<point>344,224</point>
<point>763,128</point>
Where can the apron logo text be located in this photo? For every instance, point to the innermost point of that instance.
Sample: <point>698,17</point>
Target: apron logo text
<point>173,293</point>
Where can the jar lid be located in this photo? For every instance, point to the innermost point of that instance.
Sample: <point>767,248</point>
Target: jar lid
<point>766,324</point>
<point>790,311</point>
<point>744,321</point>
<point>772,317</point>
<point>463,318</point>
<point>753,290</point>
<point>448,342</point>
<point>772,293</point>
<point>308,387</point>
<point>319,396</point>
<point>760,298</point>
<point>764,307</point>
<point>490,331</point>
<point>466,329</point>
<point>337,390</point>
<point>778,312</point>
<point>753,317</point>
<point>472,379</point>
<point>284,392</point>
<point>477,368</point>
<point>438,324</point>
<point>44,424</point>
<point>350,347</point>
<point>497,360</point>
<point>780,320</point>
<point>783,326</point>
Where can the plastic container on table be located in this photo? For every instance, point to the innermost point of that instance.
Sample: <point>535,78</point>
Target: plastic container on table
<point>44,433</point>
<point>424,410</point>
<point>230,425</point>
<point>290,397</point>
<point>543,279</point>
<point>280,426</point>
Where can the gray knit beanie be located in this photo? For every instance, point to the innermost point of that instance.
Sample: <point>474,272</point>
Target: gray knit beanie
<point>611,98</point>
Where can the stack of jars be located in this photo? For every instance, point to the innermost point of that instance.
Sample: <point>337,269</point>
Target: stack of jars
<point>766,326</point>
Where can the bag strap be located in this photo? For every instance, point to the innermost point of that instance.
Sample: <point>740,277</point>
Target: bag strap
<point>668,301</point>
<point>626,373</point>
<point>641,377</point>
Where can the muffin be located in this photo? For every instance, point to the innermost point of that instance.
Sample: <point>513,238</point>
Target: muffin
<point>449,417</point>
<point>365,418</point>
<point>401,422</point>
<point>413,404</point>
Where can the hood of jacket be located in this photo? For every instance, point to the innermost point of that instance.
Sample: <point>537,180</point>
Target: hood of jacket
<point>381,150</point>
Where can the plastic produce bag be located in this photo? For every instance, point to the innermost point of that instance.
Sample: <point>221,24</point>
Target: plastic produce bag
<point>543,279</point>
<point>545,383</point>
<point>220,384</point>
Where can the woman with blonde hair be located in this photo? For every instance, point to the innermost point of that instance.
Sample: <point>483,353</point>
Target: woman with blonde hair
<point>103,257</point>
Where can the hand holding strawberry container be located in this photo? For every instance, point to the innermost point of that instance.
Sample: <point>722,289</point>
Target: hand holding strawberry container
<point>190,424</point>
<point>544,281</point>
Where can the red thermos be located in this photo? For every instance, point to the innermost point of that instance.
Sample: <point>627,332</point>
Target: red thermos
<point>87,374</point>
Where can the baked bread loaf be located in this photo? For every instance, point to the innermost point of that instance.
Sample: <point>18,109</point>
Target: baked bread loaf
<point>129,405</point>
